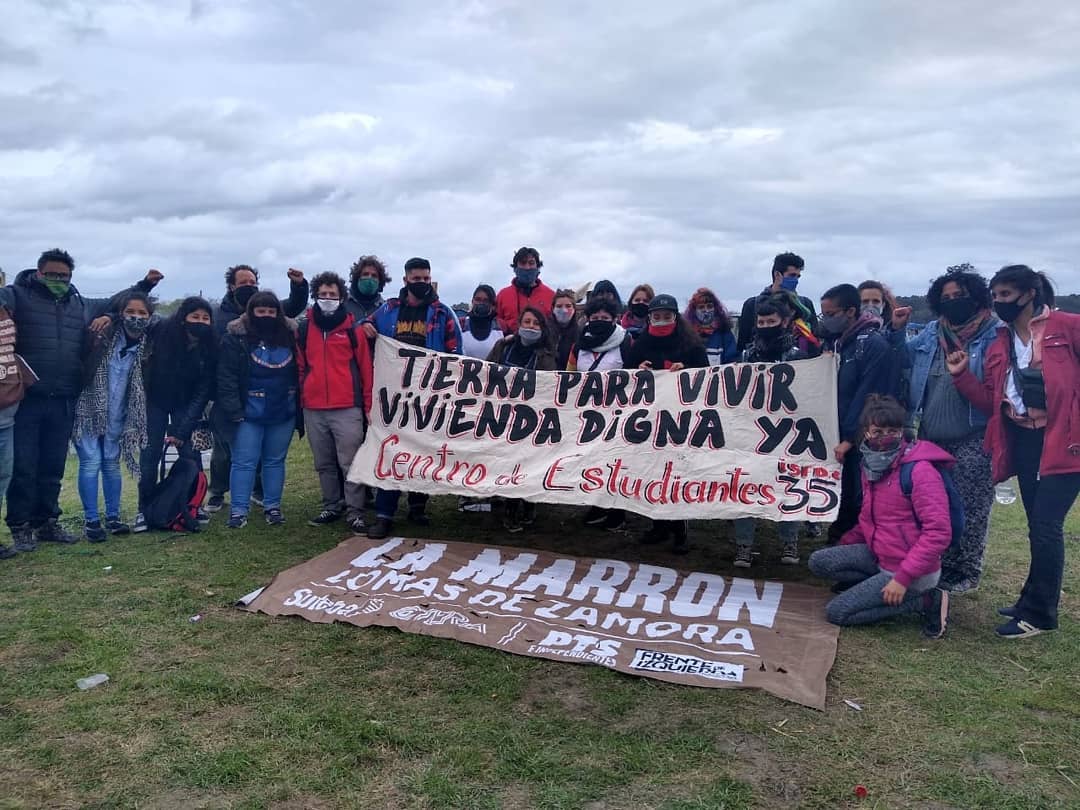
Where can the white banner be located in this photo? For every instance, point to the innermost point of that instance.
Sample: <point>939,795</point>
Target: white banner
<point>753,439</point>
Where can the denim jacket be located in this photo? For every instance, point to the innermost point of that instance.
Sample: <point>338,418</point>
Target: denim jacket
<point>920,357</point>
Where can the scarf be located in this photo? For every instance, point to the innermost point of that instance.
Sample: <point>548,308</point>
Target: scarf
<point>954,338</point>
<point>864,320</point>
<point>92,408</point>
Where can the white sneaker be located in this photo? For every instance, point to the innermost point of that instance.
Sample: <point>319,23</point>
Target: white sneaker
<point>744,556</point>
<point>139,526</point>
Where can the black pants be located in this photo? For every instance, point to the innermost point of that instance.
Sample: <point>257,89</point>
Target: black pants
<point>221,457</point>
<point>42,432</point>
<point>850,496</point>
<point>1047,500</point>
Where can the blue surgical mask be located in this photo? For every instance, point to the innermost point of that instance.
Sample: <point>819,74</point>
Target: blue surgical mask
<point>789,283</point>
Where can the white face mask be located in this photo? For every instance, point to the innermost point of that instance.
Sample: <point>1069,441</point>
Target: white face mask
<point>328,305</point>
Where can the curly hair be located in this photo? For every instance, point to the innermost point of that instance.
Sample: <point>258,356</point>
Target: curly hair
<point>230,274</point>
<point>969,281</point>
<point>370,261</point>
<point>328,279</point>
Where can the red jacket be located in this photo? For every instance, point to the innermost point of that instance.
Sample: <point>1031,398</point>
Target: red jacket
<point>512,300</point>
<point>1061,372</point>
<point>907,546</point>
<point>334,373</point>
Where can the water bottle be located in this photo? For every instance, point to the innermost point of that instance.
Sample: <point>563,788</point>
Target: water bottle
<point>92,681</point>
<point>1004,493</point>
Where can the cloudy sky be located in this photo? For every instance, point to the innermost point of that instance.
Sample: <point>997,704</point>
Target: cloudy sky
<point>680,143</point>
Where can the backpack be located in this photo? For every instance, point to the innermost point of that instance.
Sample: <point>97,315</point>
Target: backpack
<point>174,503</point>
<point>956,503</point>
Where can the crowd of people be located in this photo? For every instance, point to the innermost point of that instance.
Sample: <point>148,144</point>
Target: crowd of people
<point>988,390</point>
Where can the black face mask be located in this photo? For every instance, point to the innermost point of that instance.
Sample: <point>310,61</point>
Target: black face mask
<point>958,310</point>
<point>243,294</point>
<point>595,333</point>
<point>419,289</point>
<point>481,312</point>
<point>264,325</point>
<point>197,330</point>
<point>770,334</point>
<point>639,310</point>
<point>1009,311</point>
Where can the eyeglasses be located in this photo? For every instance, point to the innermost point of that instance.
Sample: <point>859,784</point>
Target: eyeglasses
<point>874,432</point>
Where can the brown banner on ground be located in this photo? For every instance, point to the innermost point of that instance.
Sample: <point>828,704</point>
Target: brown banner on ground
<point>678,626</point>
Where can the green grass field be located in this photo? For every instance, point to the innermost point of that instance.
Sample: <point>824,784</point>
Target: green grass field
<point>241,710</point>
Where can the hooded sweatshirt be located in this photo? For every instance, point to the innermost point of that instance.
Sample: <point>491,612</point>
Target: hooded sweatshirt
<point>907,535</point>
<point>608,355</point>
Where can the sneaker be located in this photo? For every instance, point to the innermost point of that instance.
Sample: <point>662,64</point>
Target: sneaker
<point>215,503</point>
<point>595,516</point>
<point>7,552</point>
<point>744,556</point>
<point>935,613</point>
<point>116,527</point>
<point>964,586</point>
<point>382,528</point>
<point>417,517</point>
<point>1008,612</point>
<point>812,529</point>
<point>94,532</point>
<point>139,526</point>
<point>358,524</point>
<point>52,532</point>
<point>202,516</point>
<point>789,555</point>
<point>1018,628</point>
<point>655,534</point>
<point>257,498</point>
<point>614,520</point>
<point>22,538</point>
<point>236,522</point>
<point>528,514</point>
<point>325,517</point>
<point>274,517</point>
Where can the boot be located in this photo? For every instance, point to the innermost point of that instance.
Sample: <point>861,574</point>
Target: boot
<point>22,537</point>
<point>52,532</point>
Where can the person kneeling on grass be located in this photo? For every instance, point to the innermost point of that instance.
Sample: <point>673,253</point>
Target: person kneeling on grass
<point>533,348</point>
<point>257,391</point>
<point>889,563</point>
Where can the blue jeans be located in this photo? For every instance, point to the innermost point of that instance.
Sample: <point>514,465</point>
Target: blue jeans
<point>256,443</point>
<point>386,502</point>
<point>7,459</point>
<point>99,456</point>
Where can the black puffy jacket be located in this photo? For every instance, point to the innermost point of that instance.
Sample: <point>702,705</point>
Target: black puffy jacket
<point>52,331</point>
<point>228,311</point>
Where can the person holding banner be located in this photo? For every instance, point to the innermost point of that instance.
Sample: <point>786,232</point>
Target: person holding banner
<point>418,318</point>
<point>774,342</point>
<point>863,354</point>
<point>1029,389</point>
<point>479,332</point>
<point>334,365</point>
<point>889,563</point>
<point>566,331</point>
<point>530,348</point>
<point>669,343</point>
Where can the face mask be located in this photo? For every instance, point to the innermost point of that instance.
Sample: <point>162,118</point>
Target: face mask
<point>243,294</point>
<point>563,315</point>
<point>770,334</point>
<point>526,278</point>
<point>662,329</point>
<point>835,324</point>
<point>198,330</point>
<point>481,312</point>
<point>705,316</point>
<point>1009,311</point>
<point>367,287</point>
<point>530,336</point>
<point>57,288</point>
<point>328,305</point>
<point>639,310</point>
<point>790,283</point>
<point>596,332</point>
<point>876,462</point>
<point>264,324</point>
<point>958,310</point>
<point>135,325</point>
<point>419,289</point>
<point>873,309</point>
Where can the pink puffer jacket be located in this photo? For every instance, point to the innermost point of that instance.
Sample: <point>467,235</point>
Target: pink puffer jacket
<point>907,547</point>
